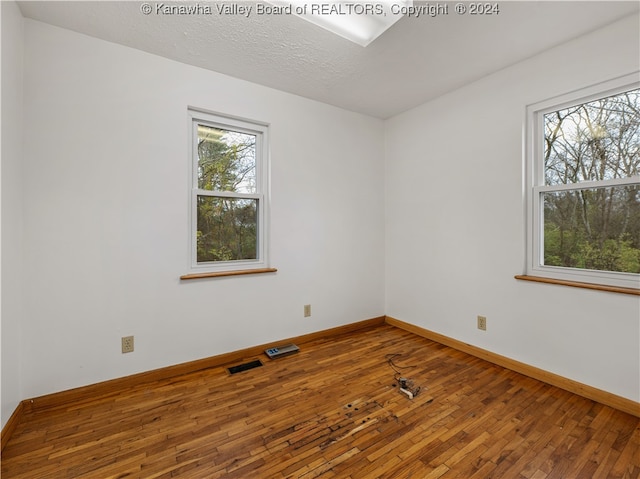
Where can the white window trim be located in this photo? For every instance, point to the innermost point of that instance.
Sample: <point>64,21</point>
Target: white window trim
<point>534,184</point>
<point>261,131</point>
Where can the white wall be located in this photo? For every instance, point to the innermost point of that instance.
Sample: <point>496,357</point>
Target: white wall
<point>106,215</point>
<point>11,211</point>
<point>455,222</point>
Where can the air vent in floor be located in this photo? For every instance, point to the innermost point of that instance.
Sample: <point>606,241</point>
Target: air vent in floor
<point>244,367</point>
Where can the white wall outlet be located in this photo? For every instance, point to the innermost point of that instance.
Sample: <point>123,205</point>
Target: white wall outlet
<point>307,310</point>
<point>127,344</point>
<point>482,323</point>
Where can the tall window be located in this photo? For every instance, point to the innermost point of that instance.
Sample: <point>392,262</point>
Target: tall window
<point>229,200</point>
<point>584,170</point>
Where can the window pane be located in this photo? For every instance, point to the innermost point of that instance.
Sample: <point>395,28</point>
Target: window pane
<point>596,229</point>
<point>226,160</point>
<point>227,229</point>
<point>599,140</point>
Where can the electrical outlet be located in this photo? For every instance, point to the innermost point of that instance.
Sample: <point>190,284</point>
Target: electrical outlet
<point>127,344</point>
<point>482,323</point>
<point>307,310</point>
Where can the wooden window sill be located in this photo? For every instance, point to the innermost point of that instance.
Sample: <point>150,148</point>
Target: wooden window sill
<point>578,284</point>
<point>218,274</point>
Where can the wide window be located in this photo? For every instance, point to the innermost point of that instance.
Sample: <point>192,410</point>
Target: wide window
<point>229,200</point>
<point>584,177</point>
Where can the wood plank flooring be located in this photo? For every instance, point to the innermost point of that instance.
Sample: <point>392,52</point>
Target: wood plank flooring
<point>333,411</point>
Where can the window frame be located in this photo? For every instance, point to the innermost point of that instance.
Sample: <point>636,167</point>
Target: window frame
<point>535,185</point>
<point>261,131</point>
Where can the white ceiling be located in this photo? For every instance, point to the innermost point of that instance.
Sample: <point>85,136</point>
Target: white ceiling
<point>417,59</point>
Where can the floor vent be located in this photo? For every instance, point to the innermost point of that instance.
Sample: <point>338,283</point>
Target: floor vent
<point>244,367</point>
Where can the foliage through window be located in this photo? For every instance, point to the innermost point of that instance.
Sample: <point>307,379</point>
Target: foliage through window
<point>228,195</point>
<point>586,188</point>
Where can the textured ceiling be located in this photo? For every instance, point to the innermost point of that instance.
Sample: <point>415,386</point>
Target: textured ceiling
<point>416,60</point>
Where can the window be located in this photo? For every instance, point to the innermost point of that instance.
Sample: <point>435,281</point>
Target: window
<point>583,168</point>
<point>229,193</point>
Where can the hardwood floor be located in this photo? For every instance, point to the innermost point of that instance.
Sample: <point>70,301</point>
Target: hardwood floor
<point>333,410</point>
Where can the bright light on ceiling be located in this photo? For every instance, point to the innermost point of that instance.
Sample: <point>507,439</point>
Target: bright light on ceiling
<point>359,22</point>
